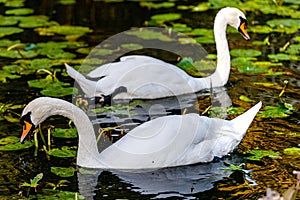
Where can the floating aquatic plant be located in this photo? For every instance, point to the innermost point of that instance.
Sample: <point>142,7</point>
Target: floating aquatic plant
<point>33,182</point>
<point>259,154</point>
<point>64,152</point>
<point>65,133</point>
<point>12,143</point>
<point>281,111</point>
<point>63,171</point>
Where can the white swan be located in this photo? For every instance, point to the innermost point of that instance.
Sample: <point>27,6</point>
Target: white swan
<point>144,77</point>
<point>163,142</point>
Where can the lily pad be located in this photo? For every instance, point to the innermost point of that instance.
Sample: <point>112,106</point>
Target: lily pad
<point>63,171</point>
<point>12,143</point>
<point>19,11</point>
<point>294,151</point>
<point>281,111</point>
<point>7,21</point>
<point>64,152</point>
<point>293,49</point>
<point>64,30</point>
<point>132,46</point>
<point>4,31</point>
<point>157,5</point>
<point>166,17</point>
<point>282,56</point>
<point>245,53</point>
<point>65,133</point>
<point>56,53</point>
<point>53,88</point>
<point>149,35</point>
<point>5,75</point>
<point>259,154</point>
<point>178,27</point>
<point>66,2</point>
<point>14,3</point>
<point>196,68</point>
<point>201,7</point>
<point>49,194</point>
<point>246,99</point>
<point>34,21</point>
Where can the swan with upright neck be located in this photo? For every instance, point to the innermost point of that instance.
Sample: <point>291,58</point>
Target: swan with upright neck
<point>145,77</point>
<point>167,141</point>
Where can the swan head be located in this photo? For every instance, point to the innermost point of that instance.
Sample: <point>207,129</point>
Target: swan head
<point>33,114</point>
<point>235,18</point>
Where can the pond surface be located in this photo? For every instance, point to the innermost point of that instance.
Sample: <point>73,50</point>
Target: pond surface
<point>258,75</point>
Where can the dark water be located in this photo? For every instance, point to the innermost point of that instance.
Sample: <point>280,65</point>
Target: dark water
<point>202,181</point>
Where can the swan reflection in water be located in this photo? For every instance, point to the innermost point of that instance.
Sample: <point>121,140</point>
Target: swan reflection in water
<point>183,181</point>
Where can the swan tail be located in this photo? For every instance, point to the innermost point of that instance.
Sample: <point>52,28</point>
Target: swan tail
<point>87,86</point>
<point>242,122</point>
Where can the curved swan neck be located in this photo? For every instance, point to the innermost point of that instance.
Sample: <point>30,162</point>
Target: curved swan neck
<point>87,154</point>
<point>220,76</point>
<point>223,59</point>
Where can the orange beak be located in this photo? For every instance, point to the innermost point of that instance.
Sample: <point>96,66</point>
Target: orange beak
<point>243,31</point>
<point>27,127</point>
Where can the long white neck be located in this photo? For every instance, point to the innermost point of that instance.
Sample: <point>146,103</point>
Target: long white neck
<point>220,76</point>
<point>87,154</point>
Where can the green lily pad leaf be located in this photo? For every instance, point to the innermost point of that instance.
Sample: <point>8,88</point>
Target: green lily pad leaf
<point>293,49</point>
<point>252,69</point>
<point>64,152</point>
<point>35,21</point>
<point>261,29</point>
<point>245,53</point>
<point>150,35</point>
<point>296,39</point>
<point>52,88</point>
<point>282,56</point>
<point>157,5</point>
<point>17,53</point>
<point>294,151</point>
<point>4,31</point>
<point>181,27</point>
<point>6,42</point>
<point>55,53</point>
<point>281,111</point>
<point>284,25</point>
<point>7,21</point>
<point>259,154</point>
<point>132,46</point>
<point>4,75</point>
<point>60,45</point>
<point>14,3</point>
<point>205,40</point>
<point>202,32</point>
<point>66,2</point>
<point>49,194</point>
<point>216,4</point>
<point>265,84</point>
<point>201,7</point>
<point>284,22</point>
<point>85,50</point>
<point>166,17</point>
<point>64,30</point>
<point>246,99</point>
<point>63,171</point>
<point>12,143</point>
<point>19,11</point>
<point>65,133</point>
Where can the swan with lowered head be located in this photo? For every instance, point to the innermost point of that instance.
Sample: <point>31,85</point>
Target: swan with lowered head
<point>144,77</point>
<point>163,142</point>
